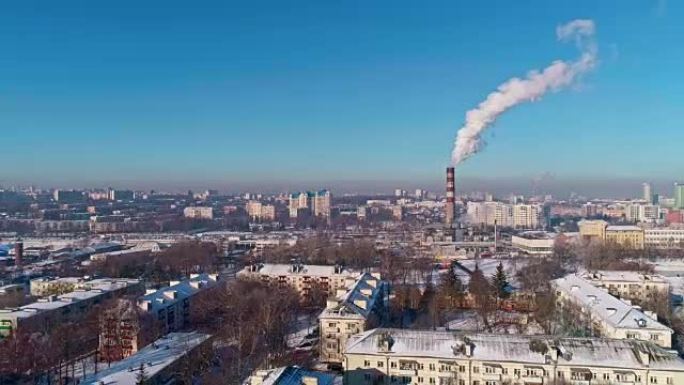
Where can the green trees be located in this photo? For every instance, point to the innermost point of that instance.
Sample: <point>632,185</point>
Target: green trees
<point>500,283</point>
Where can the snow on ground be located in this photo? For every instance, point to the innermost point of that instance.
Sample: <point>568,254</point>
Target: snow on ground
<point>304,326</point>
<point>505,323</point>
<point>488,267</point>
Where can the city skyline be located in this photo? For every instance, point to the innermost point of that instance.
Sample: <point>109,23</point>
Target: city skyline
<point>237,95</point>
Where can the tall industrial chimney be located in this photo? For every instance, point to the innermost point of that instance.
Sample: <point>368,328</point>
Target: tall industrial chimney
<point>450,196</point>
<point>18,252</point>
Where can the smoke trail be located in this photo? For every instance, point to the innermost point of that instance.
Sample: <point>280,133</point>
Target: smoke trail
<point>537,83</point>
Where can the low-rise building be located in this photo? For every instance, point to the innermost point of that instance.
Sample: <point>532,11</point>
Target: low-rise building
<point>608,315</point>
<point>53,310</point>
<point>291,375</point>
<point>630,236</point>
<point>45,286</point>
<point>536,243</point>
<point>664,238</point>
<point>630,285</point>
<point>353,310</point>
<point>161,362</point>
<point>394,356</point>
<point>171,306</point>
<point>300,277</point>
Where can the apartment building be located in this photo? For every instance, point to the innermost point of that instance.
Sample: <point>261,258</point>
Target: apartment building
<point>353,310</point>
<point>44,286</point>
<point>198,212</point>
<point>609,316</point>
<point>301,277</point>
<point>526,216</point>
<point>162,362</point>
<point>69,307</point>
<point>630,285</point>
<point>317,203</point>
<point>172,306</point>
<point>399,356</point>
<point>259,211</point>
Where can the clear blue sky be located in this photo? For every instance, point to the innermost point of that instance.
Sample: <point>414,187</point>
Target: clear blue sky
<point>145,91</point>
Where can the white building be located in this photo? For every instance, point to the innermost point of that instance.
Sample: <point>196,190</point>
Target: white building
<point>43,286</point>
<point>301,277</point>
<point>198,212</point>
<point>172,306</point>
<point>664,238</point>
<point>608,315</point>
<point>394,356</point>
<point>353,310</point>
<point>537,243</point>
<point>259,211</point>
<point>292,375</point>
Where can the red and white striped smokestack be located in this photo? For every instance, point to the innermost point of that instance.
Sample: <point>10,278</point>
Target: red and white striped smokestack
<point>450,195</point>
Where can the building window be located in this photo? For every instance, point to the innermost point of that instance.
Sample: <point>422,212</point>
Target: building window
<point>380,364</point>
<point>393,365</point>
<point>366,363</point>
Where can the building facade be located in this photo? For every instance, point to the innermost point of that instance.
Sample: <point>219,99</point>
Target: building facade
<point>353,310</point>
<point>398,356</point>
<point>607,315</point>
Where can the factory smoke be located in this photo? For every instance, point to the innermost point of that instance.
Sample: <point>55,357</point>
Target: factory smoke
<point>514,91</point>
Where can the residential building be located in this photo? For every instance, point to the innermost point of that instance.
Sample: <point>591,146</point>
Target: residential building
<point>608,315</point>
<point>648,192</point>
<point>172,306</point>
<point>301,277</point>
<point>664,238</point>
<point>401,356</point>
<point>162,362</point>
<point>198,212</point>
<point>44,286</point>
<point>519,215</point>
<point>53,310</point>
<point>537,243</point>
<point>322,203</point>
<point>291,375</point>
<point>353,310</point>
<point>630,285</point>
<point>592,230</point>
<point>259,211</point>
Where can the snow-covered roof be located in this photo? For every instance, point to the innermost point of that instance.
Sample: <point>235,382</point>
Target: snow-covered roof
<point>366,290</point>
<point>154,358</point>
<point>580,352</point>
<point>623,228</point>
<point>170,295</point>
<point>625,276</point>
<point>282,269</point>
<point>294,375</point>
<point>611,310</point>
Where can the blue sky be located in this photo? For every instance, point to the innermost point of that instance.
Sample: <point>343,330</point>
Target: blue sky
<point>219,92</point>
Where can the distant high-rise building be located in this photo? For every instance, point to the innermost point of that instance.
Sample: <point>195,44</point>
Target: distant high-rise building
<point>322,203</point>
<point>318,203</point>
<point>68,196</point>
<point>420,193</point>
<point>648,193</point>
<point>679,196</point>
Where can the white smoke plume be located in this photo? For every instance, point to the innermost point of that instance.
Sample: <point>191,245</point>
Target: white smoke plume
<point>514,91</point>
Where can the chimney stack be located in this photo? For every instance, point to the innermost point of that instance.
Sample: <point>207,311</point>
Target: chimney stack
<point>18,252</point>
<point>450,196</point>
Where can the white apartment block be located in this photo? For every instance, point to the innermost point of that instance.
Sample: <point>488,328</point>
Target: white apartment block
<point>352,310</point>
<point>172,306</point>
<point>394,356</point>
<point>301,277</point>
<point>664,238</point>
<point>608,315</point>
<point>526,216</point>
<point>47,312</point>
<point>198,212</point>
<point>318,203</point>
<point>639,212</point>
<point>630,285</point>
